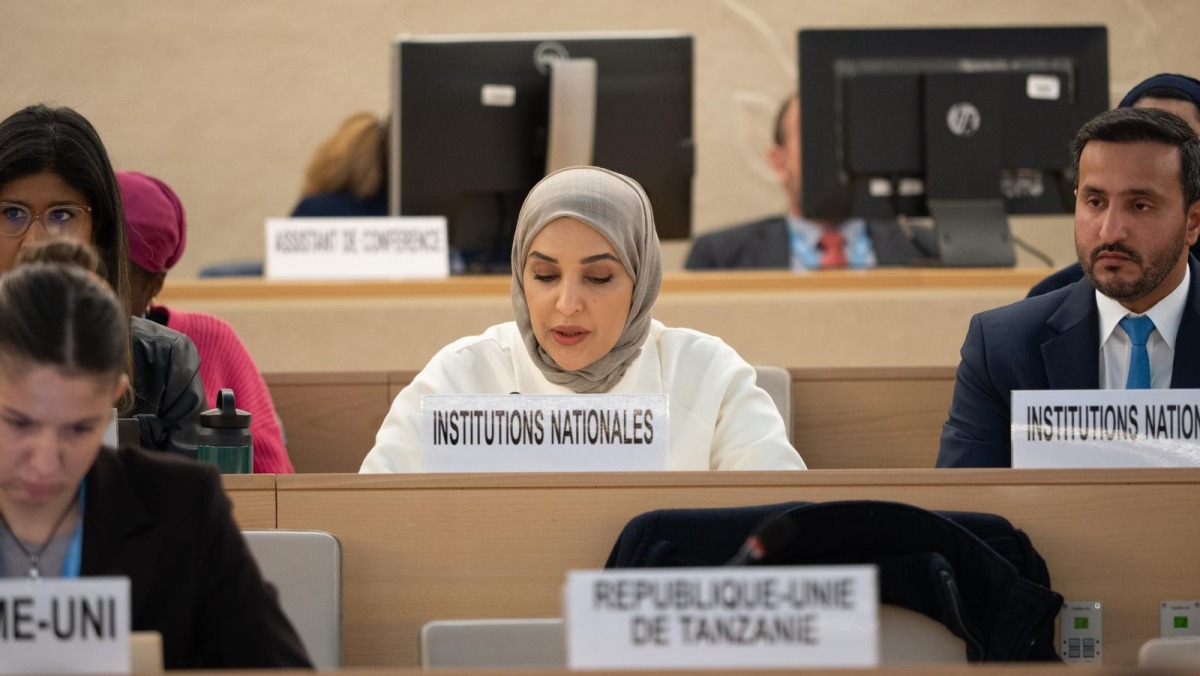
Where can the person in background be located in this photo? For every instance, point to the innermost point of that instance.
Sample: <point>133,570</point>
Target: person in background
<point>792,241</point>
<point>586,271</point>
<point>56,181</point>
<point>347,175</point>
<point>156,229</point>
<point>1178,94</point>
<point>70,508</point>
<point>1132,323</point>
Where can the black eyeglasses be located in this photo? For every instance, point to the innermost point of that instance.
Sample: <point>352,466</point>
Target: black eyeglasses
<point>63,220</point>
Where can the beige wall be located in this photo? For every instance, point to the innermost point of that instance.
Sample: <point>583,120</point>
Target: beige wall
<point>225,99</point>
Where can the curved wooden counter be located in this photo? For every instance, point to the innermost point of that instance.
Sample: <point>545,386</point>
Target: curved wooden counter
<point>877,318</point>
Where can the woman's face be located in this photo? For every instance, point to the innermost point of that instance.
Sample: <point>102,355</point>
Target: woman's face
<point>578,293</point>
<point>37,193</point>
<point>51,428</point>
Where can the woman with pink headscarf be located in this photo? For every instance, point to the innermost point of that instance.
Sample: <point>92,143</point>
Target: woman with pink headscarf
<point>156,229</point>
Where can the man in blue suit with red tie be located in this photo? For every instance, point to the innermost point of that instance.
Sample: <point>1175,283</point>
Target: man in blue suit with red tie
<point>790,241</point>
<point>1132,322</point>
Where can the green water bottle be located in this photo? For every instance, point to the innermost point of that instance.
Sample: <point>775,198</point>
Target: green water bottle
<point>225,439</point>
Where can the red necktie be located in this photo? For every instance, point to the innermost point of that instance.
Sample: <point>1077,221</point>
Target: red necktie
<point>833,244</point>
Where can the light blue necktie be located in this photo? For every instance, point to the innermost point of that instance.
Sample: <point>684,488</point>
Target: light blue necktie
<point>1138,329</point>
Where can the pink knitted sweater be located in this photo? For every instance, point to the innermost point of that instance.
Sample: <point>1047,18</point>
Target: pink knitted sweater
<point>224,362</point>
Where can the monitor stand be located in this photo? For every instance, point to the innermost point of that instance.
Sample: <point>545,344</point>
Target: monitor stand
<point>571,133</point>
<point>972,233</point>
<point>964,156</point>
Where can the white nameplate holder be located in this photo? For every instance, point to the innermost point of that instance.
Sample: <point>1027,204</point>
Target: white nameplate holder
<point>357,248</point>
<point>544,432</point>
<point>1105,428</point>
<point>736,618</point>
<point>64,626</point>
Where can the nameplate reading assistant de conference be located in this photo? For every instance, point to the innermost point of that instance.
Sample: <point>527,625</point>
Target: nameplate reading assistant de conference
<point>544,432</point>
<point>64,626</point>
<point>1106,428</point>
<point>357,248</point>
<point>698,618</point>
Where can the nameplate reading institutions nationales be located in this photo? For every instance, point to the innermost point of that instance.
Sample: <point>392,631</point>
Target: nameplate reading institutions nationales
<point>544,433</point>
<point>1106,428</point>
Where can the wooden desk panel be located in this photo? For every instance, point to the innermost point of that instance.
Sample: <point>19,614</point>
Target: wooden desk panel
<point>830,318</point>
<point>423,547</point>
<point>253,498</point>
<point>181,291</point>
<point>330,419</point>
<point>870,418</point>
<point>851,418</point>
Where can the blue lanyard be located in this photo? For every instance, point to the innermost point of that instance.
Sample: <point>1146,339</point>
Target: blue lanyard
<point>73,560</point>
<point>74,557</point>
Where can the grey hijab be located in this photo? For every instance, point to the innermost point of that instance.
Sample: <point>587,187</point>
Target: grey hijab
<point>616,207</point>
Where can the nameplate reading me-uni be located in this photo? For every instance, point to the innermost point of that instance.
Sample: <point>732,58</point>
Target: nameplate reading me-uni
<point>357,248</point>
<point>704,618</point>
<point>1106,428</point>
<point>544,432</point>
<point>64,626</point>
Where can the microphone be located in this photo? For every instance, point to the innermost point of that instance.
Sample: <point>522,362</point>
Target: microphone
<point>770,537</point>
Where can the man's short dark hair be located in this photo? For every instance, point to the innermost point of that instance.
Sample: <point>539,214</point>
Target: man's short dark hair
<point>779,117</point>
<point>1145,125</point>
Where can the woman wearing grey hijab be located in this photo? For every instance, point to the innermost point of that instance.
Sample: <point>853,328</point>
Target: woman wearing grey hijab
<point>586,272</point>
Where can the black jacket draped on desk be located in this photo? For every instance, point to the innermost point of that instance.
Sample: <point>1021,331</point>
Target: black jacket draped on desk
<point>975,573</point>
<point>167,388</point>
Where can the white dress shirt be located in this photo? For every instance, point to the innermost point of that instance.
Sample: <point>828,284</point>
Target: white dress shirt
<point>1115,345</point>
<point>720,418</point>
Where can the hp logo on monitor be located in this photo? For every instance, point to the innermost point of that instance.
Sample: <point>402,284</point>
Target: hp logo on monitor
<point>963,119</point>
<point>546,52</point>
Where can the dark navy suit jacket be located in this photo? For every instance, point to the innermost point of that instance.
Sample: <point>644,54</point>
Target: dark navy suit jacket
<point>765,244</point>
<point>1049,342</point>
<point>338,204</point>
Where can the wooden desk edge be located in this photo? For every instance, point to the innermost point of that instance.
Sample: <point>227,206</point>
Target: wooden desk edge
<point>248,482</point>
<point>798,373</point>
<point>329,378</point>
<point>1032,668</point>
<point>846,477</point>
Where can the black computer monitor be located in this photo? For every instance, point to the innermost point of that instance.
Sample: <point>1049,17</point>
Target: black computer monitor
<point>477,122</point>
<point>965,125</point>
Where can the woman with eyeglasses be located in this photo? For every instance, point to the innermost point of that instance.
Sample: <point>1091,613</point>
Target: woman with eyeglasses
<point>70,508</point>
<point>56,181</point>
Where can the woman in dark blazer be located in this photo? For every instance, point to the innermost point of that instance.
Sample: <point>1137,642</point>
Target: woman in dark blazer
<point>70,508</point>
